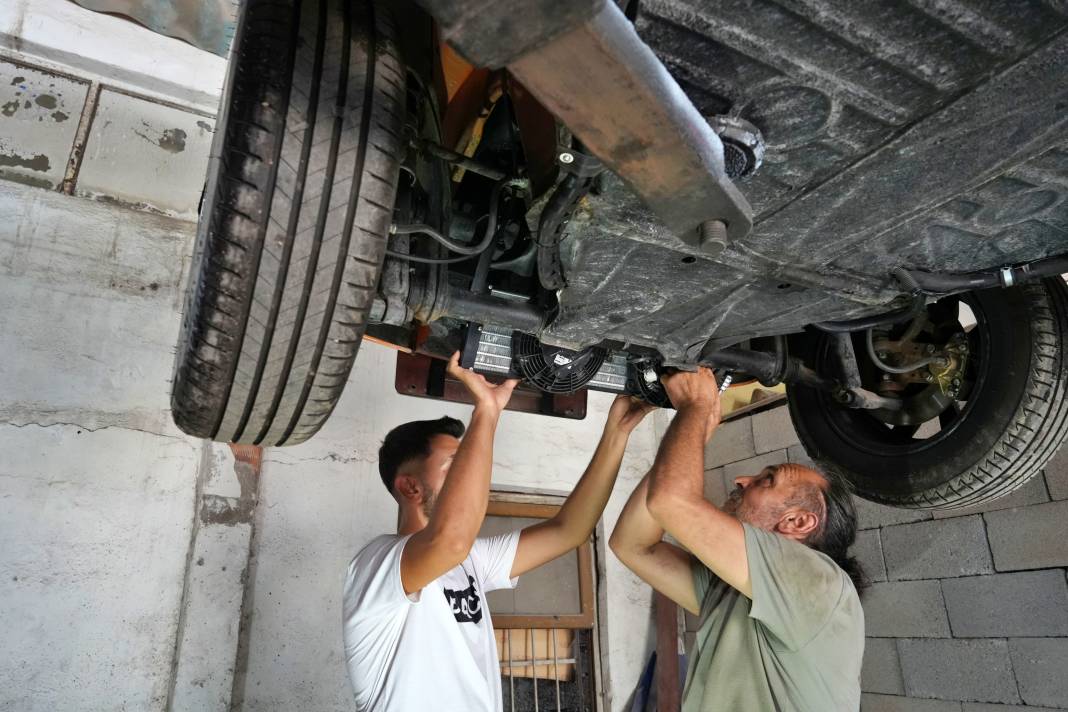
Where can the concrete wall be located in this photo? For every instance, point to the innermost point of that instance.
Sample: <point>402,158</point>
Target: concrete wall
<point>125,565</point>
<point>968,610</point>
<point>142,569</point>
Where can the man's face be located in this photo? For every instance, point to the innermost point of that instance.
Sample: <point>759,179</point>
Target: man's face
<point>762,500</point>
<point>431,472</point>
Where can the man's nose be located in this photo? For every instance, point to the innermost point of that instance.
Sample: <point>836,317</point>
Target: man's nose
<point>743,482</point>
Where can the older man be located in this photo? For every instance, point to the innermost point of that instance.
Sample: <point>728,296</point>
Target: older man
<point>769,574</point>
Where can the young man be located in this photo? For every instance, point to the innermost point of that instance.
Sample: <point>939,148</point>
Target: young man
<point>781,622</point>
<point>417,632</point>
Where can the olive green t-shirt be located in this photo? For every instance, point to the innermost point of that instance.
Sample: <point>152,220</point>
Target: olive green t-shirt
<point>797,646</point>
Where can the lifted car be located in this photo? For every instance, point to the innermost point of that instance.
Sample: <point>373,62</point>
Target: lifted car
<point>866,203</point>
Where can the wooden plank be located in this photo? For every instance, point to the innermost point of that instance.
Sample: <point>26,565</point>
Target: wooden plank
<point>668,694</point>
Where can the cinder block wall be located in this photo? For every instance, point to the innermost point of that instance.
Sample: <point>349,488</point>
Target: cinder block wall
<point>968,610</point>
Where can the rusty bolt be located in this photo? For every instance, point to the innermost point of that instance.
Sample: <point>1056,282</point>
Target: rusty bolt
<point>713,237</point>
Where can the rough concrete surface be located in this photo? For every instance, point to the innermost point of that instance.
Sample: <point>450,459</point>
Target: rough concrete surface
<point>1029,537</point>
<point>91,297</point>
<point>97,527</point>
<point>39,113</point>
<point>732,441</point>
<point>147,155</point>
<point>214,591</point>
<point>1029,603</point>
<point>893,703</point>
<point>905,609</point>
<point>936,549</point>
<point>868,551</point>
<point>111,49</point>
<point>967,670</point>
<point>881,671</point>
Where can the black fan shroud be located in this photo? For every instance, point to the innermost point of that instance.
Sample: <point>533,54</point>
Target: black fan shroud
<point>554,369</point>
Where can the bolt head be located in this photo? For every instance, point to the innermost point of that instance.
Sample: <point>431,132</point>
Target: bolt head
<point>930,348</point>
<point>567,157</point>
<point>956,382</point>
<point>882,355</point>
<point>928,377</point>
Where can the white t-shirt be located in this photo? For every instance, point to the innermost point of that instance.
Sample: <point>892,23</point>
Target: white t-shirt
<point>434,650</point>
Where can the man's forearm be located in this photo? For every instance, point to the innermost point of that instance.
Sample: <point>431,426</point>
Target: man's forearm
<point>582,509</point>
<point>678,470</point>
<point>462,502</point>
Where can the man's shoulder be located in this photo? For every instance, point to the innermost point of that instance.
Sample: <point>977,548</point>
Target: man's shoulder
<point>374,550</point>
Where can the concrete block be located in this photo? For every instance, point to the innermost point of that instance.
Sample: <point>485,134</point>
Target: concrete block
<point>968,670</point>
<point>1033,537</point>
<point>1031,492</point>
<point>773,430</point>
<point>868,550</point>
<point>797,455</point>
<point>871,515</point>
<point>752,466</point>
<point>146,155</point>
<point>881,671</point>
<point>1032,603</point>
<point>215,587</point>
<point>105,283</point>
<point>732,441</point>
<point>715,488</point>
<point>892,703</point>
<point>39,114</point>
<point>905,609</point>
<point>936,549</point>
<point>1057,474</point>
<point>984,707</point>
<point>1041,666</point>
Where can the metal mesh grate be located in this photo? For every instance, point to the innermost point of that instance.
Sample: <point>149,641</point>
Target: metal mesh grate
<point>546,669</point>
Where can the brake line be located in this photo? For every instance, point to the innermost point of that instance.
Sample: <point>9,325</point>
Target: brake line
<point>895,369</point>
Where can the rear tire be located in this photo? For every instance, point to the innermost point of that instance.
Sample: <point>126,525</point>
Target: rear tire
<point>293,229</point>
<point>1012,424</point>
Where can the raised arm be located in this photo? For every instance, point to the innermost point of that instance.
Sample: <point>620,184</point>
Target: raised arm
<point>676,482</point>
<point>576,519</point>
<point>461,505</point>
<point>638,542</point>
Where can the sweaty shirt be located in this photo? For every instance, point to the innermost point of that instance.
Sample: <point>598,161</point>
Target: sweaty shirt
<point>795,647</point>
<point>433,650</point>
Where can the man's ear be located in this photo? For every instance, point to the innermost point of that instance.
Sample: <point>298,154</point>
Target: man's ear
<point>797,524</point>
<point>407,487</point>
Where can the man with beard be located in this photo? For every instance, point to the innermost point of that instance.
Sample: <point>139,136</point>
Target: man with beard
<point>417,632</point>
<point>781,627</point>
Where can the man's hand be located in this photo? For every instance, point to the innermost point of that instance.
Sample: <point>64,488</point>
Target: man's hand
<point>695,390</point>
<point>625,414</point>
<point>486,394</point>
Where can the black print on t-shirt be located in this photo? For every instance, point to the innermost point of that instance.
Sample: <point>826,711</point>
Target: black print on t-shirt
<point>466,604</point>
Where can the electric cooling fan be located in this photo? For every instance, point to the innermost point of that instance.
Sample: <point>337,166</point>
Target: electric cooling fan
<point>645,380</point>
<point>554,369</point>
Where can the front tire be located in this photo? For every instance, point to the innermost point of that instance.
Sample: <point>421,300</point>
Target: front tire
<point>292,234</point>
<point>1012,423</point>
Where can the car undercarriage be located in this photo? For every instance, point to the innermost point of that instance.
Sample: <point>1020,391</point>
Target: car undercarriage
<point>798,192</point>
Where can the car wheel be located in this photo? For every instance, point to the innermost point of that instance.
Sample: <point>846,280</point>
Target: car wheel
<point>996,427</point>
<point>293,228</point>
